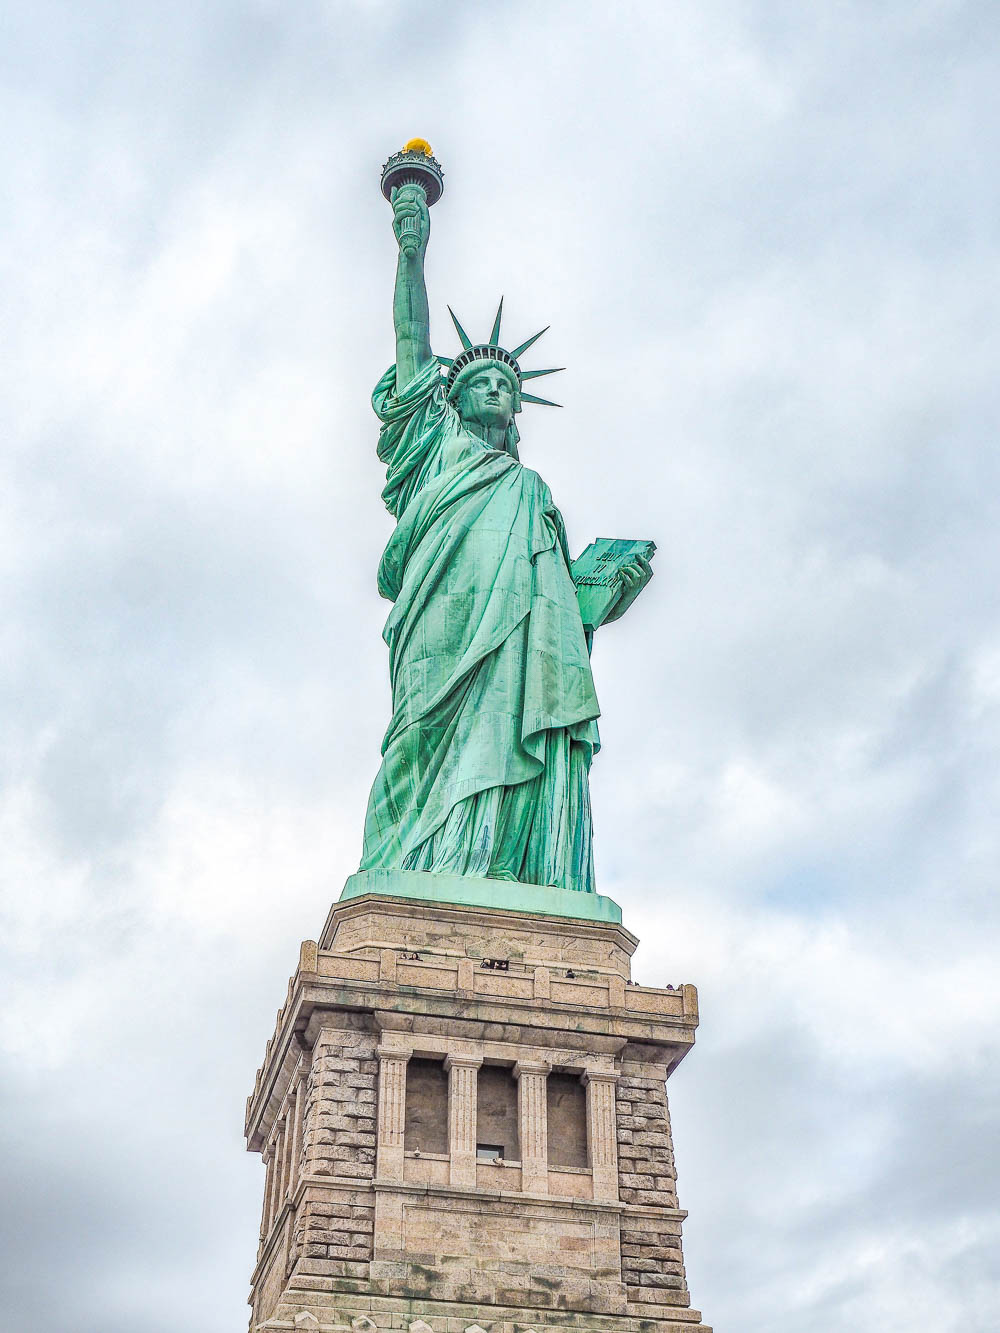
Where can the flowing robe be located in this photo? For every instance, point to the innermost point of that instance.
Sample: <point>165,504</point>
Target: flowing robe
<point>485,765</point>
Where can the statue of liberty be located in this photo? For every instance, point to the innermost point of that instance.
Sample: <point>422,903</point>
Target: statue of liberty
<point>486,761</point>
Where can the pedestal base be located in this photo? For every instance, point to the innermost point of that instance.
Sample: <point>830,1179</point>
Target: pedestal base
<point>465,1122</point>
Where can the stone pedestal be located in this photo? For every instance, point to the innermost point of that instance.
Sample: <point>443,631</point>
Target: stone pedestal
<point>464,1118</point>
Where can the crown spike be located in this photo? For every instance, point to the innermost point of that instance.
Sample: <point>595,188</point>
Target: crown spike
<point>495,335</point>
<point>466,340</point>
<point>445,361</point>
<point>524,346</point>
<point>545,402</point>
<point>534,374</point>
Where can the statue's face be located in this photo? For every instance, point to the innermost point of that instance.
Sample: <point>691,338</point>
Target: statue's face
<point>487,398</point>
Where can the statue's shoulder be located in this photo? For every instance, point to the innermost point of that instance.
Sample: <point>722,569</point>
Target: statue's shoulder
<point>537,483</point>
<point>425,389</point>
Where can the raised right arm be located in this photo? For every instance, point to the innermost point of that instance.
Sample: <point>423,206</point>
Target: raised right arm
<point>411,223</point>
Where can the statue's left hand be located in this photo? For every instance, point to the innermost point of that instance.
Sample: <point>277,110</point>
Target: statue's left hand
<point>634,577</point>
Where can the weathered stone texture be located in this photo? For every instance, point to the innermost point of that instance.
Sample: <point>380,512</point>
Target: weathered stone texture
<point>340,1106</point>
<point>646,1171</point>
<point>339,1142</point>
<point>652,1263</point>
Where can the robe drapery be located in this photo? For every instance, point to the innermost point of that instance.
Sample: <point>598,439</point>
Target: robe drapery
<point>485,765</point>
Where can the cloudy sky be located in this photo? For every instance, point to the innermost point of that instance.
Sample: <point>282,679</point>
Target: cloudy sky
<point>765,234</point>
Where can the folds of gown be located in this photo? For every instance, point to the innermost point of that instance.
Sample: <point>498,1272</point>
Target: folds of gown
<point>539,832</point>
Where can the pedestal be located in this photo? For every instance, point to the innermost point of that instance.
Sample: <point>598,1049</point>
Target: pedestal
<point>464,1118</point>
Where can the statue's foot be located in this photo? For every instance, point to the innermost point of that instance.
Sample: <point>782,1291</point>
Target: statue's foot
<point>504,875</point>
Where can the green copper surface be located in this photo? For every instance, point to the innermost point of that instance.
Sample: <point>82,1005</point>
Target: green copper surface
<point>486,761</point>
<point>468,891</point>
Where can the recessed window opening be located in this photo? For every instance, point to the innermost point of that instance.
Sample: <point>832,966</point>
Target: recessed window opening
<point>486,1152</point>
<point>426,1125</point>
<point>496,1120</point>
<point>567,1120</point>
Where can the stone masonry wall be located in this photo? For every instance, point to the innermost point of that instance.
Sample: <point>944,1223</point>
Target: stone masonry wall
<point>652,1264</point>
<point>646,1171</point>
<point>334,1228</point>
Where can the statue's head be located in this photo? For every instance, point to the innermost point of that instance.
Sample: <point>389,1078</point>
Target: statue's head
<point>486,393</point>
<point>484,381</point>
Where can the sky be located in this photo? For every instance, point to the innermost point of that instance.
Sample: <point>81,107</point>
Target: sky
<point>765,235</point>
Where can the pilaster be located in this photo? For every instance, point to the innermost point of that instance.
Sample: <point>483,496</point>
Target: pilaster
<point>463,1072</point>
<point>602,1132</point>
<point>533,1125</point>
<point>391,1110</point>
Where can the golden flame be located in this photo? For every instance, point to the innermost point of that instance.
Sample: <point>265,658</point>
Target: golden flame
<point>417,146</point>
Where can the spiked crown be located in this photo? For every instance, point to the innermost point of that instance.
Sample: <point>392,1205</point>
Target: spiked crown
<point>492,351</point>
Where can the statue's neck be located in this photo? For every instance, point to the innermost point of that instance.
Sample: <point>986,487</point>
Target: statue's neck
<point>493,436</point>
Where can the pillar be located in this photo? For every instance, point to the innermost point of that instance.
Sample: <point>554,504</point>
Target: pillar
<point>602,1138</point>
<point>297,1115</point>
<point>463,1073</point>
<point>277,1142</point>
<point>391,1121</point>
<point>532,1122</point>
<point>265,1213</point>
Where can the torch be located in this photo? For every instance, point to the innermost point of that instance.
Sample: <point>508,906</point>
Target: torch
<point>415,165</point>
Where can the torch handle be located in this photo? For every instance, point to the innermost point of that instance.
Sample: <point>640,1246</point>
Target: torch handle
<point>409,229</point>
